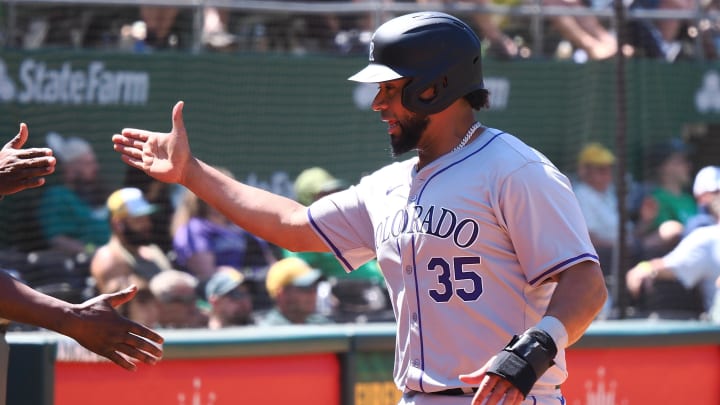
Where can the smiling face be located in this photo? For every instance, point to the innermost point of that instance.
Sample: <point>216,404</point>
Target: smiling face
<point>404,127</point>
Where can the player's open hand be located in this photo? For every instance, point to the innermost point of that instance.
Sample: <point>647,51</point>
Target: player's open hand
<point>99,328</point>
<point>491,387</point>
<point>164,156</point>
<point>21,169</point>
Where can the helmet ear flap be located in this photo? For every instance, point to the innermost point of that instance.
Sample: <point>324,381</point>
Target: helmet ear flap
<point>413,97</point>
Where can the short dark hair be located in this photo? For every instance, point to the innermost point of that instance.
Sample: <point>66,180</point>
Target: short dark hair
<point>478,99</point>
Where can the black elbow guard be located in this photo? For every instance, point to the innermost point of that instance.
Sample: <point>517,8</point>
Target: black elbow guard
<point>525,359</point>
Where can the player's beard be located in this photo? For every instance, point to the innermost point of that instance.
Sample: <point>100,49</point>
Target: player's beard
<point>411,131</point>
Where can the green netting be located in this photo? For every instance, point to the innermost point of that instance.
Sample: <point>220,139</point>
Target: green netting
<point>267,117</point>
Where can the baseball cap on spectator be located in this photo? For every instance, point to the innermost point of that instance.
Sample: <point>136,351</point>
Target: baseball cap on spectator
<point>661,152</point>
<point>67,149</point>
<point>129,202</point>
<point>313,181</point>
<point>223,281</point>
<point>596,154</point>
<point>707,180</point>
<point>291,271</point>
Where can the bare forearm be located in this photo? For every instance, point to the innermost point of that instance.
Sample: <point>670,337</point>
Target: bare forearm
<point>578,298</point>
<point>21,303</point>
<point>274,218</point>
<point>658,269</point>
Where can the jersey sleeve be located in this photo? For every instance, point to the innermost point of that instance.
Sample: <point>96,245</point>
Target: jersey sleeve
<point>544,221</point>
<point>342,221</point>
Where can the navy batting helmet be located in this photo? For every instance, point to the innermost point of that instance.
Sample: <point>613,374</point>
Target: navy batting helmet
<point>433,49</point>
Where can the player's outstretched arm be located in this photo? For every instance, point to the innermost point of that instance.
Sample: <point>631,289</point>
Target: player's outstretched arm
<point>167,157</point>
<point>21,169</point>
<point>94,324</point>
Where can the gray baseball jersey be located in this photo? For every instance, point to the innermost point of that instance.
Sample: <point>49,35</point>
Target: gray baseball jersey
<point>465,246</point>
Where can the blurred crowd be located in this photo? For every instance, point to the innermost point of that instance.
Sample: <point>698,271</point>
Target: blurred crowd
<point>196,269</point>
<point>192,266</point>
<point>586,32</point>
<point>669,267</point>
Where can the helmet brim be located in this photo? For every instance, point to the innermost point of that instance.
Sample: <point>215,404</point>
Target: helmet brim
<point>375,73</point>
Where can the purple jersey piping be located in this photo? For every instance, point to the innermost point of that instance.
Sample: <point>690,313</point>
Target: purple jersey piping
<point>419,317</point>
<point>422,344</point>
<point>455,163</point>
<point>329,243</point>
<point>562,264</point>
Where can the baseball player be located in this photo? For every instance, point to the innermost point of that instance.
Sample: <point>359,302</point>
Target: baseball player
<point>480,238</point>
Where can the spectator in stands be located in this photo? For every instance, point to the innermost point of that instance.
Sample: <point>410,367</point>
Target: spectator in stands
<point>500,44</point>
<point>159,21</point>
<point>72,215</point>
<point>130,249</point>
<point>667,206</point>
<point>705,187</point>
<point>596,194</point>
<point>586,33</point>
<point>292,285</point>
<point>310,185</point>
<point>203,239</point>
<point>144,309</point>
<point>93,324</point>
<point>215,28</point>
<point>176,292</point>
<point>695,261</point>
<point>163,196</point>
<point>659,38</point>
<point>229,298</point>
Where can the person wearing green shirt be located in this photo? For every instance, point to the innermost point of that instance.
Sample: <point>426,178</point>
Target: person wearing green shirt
<point>72,214</point>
